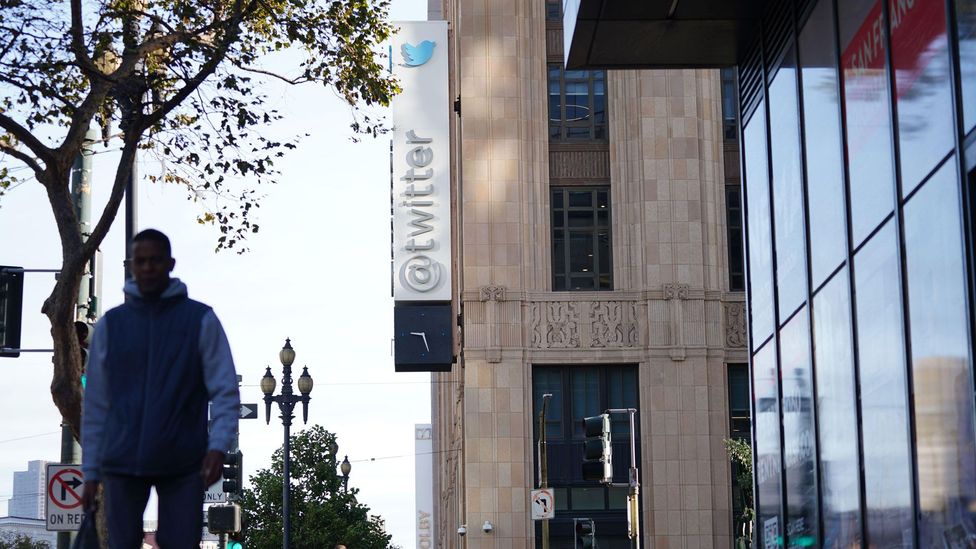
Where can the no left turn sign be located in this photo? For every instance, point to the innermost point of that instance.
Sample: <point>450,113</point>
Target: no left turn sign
<point>65,485</point>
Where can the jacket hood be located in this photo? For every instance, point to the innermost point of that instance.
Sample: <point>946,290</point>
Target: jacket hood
<point>176,288</point>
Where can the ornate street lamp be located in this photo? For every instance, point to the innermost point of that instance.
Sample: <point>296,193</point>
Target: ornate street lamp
<point>345,467</point>
<point>286,403</point>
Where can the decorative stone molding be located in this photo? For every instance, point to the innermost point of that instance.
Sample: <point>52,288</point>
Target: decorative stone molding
<point>554,324</point>
<point>675,291</point>
<point>493,293</point>
<point>675,294</point>
<point>613,324</point>
<point>735,325</point>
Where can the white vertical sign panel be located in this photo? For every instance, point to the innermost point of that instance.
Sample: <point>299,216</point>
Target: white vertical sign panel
<point>424,475</point>
<point>421,164</point>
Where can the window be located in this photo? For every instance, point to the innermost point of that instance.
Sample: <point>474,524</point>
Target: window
<point>740,428</point>
<point>578,392</point>
<point>577,105</point>
<point>554,11</point>
<point>935,267</point>
<point>729,99</point>
<point>581,239</point>
<point>733,214</point>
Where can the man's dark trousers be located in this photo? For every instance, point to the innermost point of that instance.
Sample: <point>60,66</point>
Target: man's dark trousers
<point>180,510</point>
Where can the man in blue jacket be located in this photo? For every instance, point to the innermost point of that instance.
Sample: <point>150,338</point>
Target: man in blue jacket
<point>154,364</point>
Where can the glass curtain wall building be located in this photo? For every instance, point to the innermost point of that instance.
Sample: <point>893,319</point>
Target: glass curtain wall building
<point>855,115</point>
<point>858,130</point>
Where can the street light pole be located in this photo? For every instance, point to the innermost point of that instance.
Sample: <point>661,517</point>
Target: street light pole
<point>286,403</point>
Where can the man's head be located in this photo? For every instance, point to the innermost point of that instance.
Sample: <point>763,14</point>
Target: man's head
<point>152,262</point>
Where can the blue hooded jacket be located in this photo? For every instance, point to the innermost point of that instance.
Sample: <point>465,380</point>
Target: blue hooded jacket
<point>153,367</point>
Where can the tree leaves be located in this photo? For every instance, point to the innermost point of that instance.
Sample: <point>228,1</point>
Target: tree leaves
<point>184,80</point>
<point>323,514</point>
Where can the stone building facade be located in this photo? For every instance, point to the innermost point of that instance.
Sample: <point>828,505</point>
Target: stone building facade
<point>658,326</point>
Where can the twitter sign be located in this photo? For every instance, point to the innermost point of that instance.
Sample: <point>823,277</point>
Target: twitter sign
<point>415,56</point>
<point>421,164</point>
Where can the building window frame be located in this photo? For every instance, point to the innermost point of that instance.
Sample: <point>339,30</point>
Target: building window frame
<point>575,127</point>
<point>568,227</point>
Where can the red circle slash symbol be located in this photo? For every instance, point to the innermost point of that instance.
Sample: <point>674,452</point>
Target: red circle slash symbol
<point>63,488</point>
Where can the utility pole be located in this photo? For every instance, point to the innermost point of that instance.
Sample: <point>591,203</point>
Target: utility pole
<point>543,463</point>
<point>81,176</point>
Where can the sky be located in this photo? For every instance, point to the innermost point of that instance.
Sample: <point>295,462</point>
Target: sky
<point>318,272</point>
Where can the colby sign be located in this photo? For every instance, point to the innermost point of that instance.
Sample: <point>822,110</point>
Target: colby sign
<point>421,164</point>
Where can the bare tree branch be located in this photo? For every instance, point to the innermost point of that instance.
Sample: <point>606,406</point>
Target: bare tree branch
<point>122,173</point>
<point>285,79</point>
<point>84,61</point>
<point>23,157</point>
<point>25,136</point>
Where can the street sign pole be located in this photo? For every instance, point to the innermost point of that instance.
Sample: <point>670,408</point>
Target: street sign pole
<point>543,465</point>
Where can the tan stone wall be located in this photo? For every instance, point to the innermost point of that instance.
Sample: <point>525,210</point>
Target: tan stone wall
<point>676,319</point>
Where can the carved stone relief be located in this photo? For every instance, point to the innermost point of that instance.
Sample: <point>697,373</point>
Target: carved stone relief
<point>735,325</point>
<point>555,324</point>
<point>675,291</point>
<point>493,293</point>
<point>613,324</point>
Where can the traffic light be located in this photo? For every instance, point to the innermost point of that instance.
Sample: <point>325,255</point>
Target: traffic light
<point>11,308</point>
<point>235,540</point>
<point>597,463</point>
<point>585,533</point>
<point>233,475</point>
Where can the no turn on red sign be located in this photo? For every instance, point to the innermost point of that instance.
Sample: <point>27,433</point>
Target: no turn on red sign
<point>62,508</point>
<point>543,504</point>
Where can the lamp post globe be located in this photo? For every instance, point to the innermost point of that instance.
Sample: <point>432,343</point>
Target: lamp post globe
<point>345,468</point>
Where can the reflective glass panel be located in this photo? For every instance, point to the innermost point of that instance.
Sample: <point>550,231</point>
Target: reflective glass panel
<point>940,360</point>
<point>586,397</point>
<point>767,448</point>
<point>784,138</point>
<point>920,56</point>
<point>868,114</point>
<point>966,21</point>
<point>760,235</point>
<point>837,414</point>
<point>884,406</point>
<point>588,498</point>
<point>822,139</point>
<point>548,380</point>
<point>799,433</point>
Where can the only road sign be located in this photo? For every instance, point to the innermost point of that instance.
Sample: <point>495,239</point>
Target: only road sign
<point>249,411</point>
<point>63,502</point>
<point>215,493</point>
<point>543,504</point>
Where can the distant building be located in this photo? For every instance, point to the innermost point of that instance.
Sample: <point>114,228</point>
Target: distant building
<point>28,496</point>
<point>34,528</point>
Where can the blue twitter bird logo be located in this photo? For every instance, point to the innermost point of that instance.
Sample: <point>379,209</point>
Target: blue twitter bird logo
<point>415,56</point>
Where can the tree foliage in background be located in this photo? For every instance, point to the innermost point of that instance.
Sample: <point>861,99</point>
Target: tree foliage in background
<point>322,513</point>
<point>21,541</point>
<point>178,79</point>
<point>740,453</point>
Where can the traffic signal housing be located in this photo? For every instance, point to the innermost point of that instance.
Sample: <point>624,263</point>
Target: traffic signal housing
<point>224,519</point>
<point>233,475</point>
<point>11,308</point>
<point>597,453</point>
<point>585,533</point>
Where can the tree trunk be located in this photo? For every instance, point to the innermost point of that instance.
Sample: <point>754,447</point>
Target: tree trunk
<point>66,380</point>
